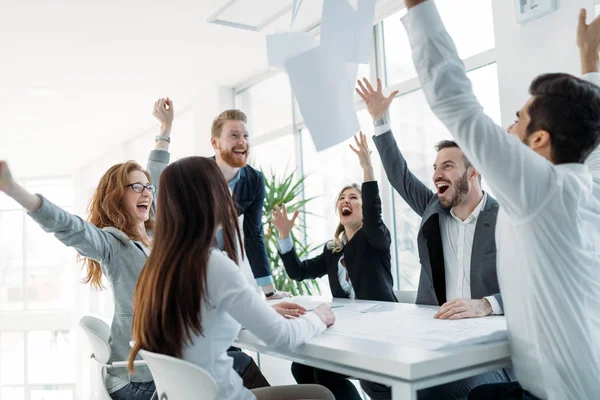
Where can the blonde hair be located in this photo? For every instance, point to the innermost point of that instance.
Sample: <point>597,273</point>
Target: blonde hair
<point>339,237</point>
<point>227,115</point>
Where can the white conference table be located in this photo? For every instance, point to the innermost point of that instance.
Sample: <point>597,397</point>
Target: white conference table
<point>405,369</point>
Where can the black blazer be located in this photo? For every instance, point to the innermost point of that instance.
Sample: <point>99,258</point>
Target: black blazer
<point>367,256</point>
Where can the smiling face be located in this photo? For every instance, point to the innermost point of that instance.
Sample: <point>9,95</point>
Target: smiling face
<point>451,177</point>
<point>232,145</point>
<point>349,207</point>
<point>137,204</point>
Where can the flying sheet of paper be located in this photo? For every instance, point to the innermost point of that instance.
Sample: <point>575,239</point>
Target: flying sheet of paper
<point>281,46</point>
<point>321,85</point>
<point>346,31</point>
<point>416,327</point>
<point>295,9</point>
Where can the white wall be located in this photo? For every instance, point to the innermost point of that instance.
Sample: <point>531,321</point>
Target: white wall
<point>525,51</point>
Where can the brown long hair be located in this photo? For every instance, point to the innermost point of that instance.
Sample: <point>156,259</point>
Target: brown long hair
<point>337,244</point>
<point>106,209</point>
<point>192,202</point>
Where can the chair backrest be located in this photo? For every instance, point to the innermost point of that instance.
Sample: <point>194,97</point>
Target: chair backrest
<point>176,379</point>
<point>406,296</point>
<point>98,332</point>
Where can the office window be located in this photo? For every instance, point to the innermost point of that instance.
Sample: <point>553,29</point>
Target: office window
<point>471,35</point>
<point>38,275</point>
<point>268,105</point>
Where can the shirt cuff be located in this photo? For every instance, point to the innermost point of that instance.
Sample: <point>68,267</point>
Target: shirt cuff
<point>496,309</point>
<point>593,77</point>
<point>422,22</point>
<point>265,280</point>
<point>316,321</point>
<point>285,245</point>
<point>381,129</point>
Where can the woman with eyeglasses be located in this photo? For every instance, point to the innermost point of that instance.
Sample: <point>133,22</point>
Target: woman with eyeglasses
<point>115,242</point>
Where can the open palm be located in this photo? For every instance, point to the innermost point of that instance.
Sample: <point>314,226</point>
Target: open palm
<point>281,221</point>
<point>377,103</point>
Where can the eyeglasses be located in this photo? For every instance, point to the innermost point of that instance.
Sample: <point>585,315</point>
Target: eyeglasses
<point>139,188</point>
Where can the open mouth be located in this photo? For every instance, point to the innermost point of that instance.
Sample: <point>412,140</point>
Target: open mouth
<point>143,207</point>
<point>346,211</point>
<point>442,187</point>
<point>239,152</point>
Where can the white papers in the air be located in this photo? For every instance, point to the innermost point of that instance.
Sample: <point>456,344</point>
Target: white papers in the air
<point>323,78</point>
<point>284,45</point>
<point>321,85</point>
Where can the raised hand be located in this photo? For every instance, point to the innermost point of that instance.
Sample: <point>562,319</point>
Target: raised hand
<point>377,103</point>
<point>281,221</point>
<point>6,179</point>
<point>362,151</point>
<point>588,41</point>
<point>163,111</point>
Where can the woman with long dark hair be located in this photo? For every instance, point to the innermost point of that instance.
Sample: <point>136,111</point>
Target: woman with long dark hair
<point>191,298</point>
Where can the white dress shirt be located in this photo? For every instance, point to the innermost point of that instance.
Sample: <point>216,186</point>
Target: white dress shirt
<point>457,242</point>
<point>547,234</point>
<point>233,303</point>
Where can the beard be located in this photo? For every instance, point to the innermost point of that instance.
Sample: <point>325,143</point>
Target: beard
<point>461,189</point>
<point>234,161</point>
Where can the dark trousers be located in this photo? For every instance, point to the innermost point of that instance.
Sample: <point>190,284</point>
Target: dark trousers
<point>245,367</point>
<point>450,391</point>
<point>501,391</point>
<point>338,384</point>
<point>135,391</point>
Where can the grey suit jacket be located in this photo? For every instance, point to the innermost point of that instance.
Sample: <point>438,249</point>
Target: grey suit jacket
<point>425,202</point>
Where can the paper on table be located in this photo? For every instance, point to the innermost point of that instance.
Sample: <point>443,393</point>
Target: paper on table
<point>348,32</point>
<point>312,302</point>
<point>321,89</point>
<point>281,46</point>
<point>416,327</point>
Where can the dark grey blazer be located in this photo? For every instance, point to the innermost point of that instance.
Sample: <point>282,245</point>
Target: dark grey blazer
<point>425,202</point>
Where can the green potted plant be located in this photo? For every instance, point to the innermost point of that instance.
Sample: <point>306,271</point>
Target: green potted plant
<point>288,191</point>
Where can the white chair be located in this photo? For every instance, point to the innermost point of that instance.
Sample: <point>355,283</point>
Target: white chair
<point>406,296</point>
<point>176,379</point>
<point>98,333</point>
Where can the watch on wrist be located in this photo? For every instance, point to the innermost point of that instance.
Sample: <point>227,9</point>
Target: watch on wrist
<point>381,121</point>
<point>270,294</point>
<point>165,138</point>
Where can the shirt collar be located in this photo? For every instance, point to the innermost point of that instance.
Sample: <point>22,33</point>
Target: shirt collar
<point>475,214</point>
<point>235,180</point>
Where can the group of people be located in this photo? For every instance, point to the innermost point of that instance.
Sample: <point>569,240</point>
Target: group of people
<point>532,253</point>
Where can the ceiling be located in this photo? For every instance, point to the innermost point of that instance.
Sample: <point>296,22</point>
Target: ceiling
<point>79,75</point>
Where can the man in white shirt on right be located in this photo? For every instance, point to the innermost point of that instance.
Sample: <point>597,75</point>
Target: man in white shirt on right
<point>548,231</point>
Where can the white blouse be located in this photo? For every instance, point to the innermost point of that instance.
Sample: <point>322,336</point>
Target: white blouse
<point>233,303</point>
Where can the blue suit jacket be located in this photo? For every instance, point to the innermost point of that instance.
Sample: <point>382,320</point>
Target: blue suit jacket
<point>249,197</point>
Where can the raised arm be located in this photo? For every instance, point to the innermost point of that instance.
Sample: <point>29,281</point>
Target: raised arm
<point>376,232</point>
<point>297,270</point>
<point>588,41</point>
<point>229,290</point>
<point>86,238</point>
<point>159,157</point>
<point>408,186</point>
<point>521,179</point>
